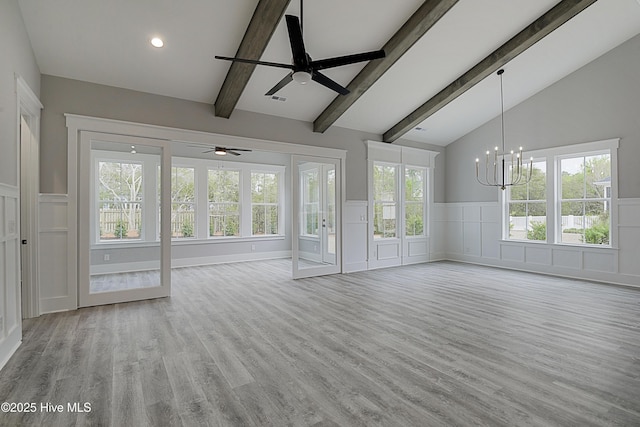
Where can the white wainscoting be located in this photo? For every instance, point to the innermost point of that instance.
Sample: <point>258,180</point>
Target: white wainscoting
<point>471,232</point>
<point>57,291</point>
<point>355,236</point>
<point>10,301</point>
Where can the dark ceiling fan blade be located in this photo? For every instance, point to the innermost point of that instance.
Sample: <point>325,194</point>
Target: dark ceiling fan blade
<point>224,150</point>
<point>282,83</point>
<point>347,59</point>
<point>326,81</point>
<point>300,58</point>
<point>251,61</point>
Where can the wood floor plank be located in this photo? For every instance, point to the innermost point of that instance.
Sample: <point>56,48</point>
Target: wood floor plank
<point>436,344</point>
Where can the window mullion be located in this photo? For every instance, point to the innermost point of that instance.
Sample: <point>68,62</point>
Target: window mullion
<point>202,201</point>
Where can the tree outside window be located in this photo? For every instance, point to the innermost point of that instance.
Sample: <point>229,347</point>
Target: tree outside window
<point>224,203</point>
<point>385,196</point>
<point>585,199</point>
<point>120,200</point>
<point>183,207</point>
<point>414,203</point>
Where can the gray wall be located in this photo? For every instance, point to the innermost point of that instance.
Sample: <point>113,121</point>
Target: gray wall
<point>599,101</point>
<point>16,57</point>
<point>61,96</point>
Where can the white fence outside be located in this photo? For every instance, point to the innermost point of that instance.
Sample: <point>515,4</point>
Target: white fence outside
<point>519,223</point>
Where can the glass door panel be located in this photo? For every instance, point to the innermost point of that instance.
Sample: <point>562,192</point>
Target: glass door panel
<point>124,244</point>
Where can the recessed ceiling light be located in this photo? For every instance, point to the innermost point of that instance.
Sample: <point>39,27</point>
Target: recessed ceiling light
<point>157,42</point>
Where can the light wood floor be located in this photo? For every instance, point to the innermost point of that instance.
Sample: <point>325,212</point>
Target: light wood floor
<point>438,344</point>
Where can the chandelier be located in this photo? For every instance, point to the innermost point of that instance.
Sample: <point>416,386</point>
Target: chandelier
<point>503,169</point>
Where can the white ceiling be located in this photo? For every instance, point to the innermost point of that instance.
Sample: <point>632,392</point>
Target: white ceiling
<point>107,42</point>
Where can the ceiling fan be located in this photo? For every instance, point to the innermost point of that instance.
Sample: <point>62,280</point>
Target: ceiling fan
<point>223,151</point>
<point>303,68</point>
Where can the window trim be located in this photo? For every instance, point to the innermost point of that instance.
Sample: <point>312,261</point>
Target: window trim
<point>553,156</point>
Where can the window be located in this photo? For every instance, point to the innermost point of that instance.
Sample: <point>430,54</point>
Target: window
<point>570,193</point>
<point>265,203</point>
<point>385,195</point>
<point>224,203</point>
<point>120,200</point>
<point>209,199</point>
<point>183,206</point>
<point>528,206</point>
<point>310,202</point>
<point>414,201</point>
<point>585,186</point>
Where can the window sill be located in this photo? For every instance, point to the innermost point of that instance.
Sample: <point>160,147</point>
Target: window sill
<point>226,239</point>
<point>186,241</point>
<point>566,245</point>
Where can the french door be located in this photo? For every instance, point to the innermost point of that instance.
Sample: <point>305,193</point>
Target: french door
<point>316,243</point>
<point>124,232</point>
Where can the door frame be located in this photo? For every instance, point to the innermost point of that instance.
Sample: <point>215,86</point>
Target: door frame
<point>85,297</point>
<point>295,218</point>
<point>28,151</point>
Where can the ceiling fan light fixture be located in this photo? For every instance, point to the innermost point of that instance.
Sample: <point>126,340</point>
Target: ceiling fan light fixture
<point>220,151</point>
<point>302,77</point>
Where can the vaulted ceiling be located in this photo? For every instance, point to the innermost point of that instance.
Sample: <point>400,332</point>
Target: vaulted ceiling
<point>436,84</point>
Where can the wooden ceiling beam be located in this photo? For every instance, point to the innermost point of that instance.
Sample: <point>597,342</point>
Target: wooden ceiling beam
<point>541,27</point>
<point>416,26</point>
<point>264,22</point>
